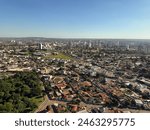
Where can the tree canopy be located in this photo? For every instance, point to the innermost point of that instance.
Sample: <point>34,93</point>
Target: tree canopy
<point>18,93</point>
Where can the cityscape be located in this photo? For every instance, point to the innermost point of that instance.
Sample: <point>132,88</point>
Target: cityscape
<point>59,75</point>
<point>75,56</point>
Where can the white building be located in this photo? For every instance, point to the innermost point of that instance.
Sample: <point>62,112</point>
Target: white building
<point>40,46</point>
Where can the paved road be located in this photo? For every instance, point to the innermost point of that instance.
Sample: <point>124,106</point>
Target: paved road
<point>51,102</point>
<point>48,102</point>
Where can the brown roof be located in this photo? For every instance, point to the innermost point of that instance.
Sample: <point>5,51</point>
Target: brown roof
<point>66,92</point>
<point>57,80</point>
<point>61,85</point>
<point>86,84</point>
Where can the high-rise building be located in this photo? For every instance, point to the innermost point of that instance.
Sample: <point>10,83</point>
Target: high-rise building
<point>40,46</point>
<point>128,47</point>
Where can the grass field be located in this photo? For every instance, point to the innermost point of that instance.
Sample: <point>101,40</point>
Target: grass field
<point>58,56</point>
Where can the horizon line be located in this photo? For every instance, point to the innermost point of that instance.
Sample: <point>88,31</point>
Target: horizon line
<point>77,38</point>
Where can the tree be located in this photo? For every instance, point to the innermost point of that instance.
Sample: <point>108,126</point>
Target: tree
<point>37,91</point>
<point>21,106</point>
<point>26,90</point>
<point>17,92</point>
<point>1,94</point>
<point>8,106</point>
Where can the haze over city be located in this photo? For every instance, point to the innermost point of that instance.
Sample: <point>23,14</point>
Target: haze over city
<point>75,18</point>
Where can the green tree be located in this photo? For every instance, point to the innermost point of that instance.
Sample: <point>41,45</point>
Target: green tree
<point>8,106</point>
<point>26,90</point>
<point>18,93</point>
<point>21,106</point>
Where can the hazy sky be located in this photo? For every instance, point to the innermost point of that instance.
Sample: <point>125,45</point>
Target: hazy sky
<point>75,18</point>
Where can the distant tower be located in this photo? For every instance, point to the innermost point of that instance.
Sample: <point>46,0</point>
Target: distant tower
<point>147,49</point>
<point>85,43</point>
<point>40,46</point>
<point>118,43</point>
<point>90,45</point>
<point>128,47</point>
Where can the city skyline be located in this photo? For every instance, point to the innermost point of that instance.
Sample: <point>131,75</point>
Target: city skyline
<point>123,19</point>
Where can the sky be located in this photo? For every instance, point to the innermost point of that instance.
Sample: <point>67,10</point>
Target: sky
<point>75,18</point>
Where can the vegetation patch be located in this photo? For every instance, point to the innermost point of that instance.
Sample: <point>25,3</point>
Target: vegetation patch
<point>58,56</point>
<point>20,93</point>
